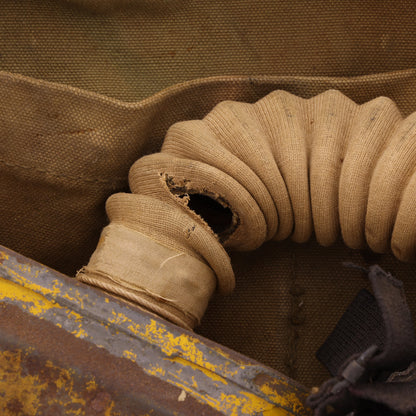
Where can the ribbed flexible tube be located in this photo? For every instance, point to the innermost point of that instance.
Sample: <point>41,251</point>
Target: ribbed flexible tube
<point>281,167</point>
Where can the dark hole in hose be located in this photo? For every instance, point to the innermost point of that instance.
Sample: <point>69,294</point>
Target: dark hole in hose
<point>218,217</point>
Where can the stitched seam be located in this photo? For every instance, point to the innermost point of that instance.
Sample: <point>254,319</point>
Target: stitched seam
<point>295,319</point>
<point>71,178</point>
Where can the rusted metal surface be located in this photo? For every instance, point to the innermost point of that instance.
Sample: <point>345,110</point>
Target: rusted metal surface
<point>66,348</point>
<point>46,371</point>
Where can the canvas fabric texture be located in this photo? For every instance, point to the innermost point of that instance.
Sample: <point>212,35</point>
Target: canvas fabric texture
<point>166,281</point>
<point>84,93</point>
<point>346,167</point>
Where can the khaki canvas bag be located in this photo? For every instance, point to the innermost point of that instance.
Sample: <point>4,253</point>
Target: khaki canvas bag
<point>89,89</point>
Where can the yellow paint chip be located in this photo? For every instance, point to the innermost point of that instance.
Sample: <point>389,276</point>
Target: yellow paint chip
<point>3,256</point>
<point>282,399</point>
<point>185,345</point>
<point>129,355</point>
<point>91,385</point>
<point>27,390</point>
<point>37,303</point>
<point>24,389</point>
<point>213,376</point>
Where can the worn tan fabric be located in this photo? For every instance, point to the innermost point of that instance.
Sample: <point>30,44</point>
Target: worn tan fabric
<point>304,144</point>
<point>310,141</point>
<point>395,169</point>
<point>72,156</point>
<point>131,49</point>
<point>63,151</point>
<point>158,224</point>
<point>133,265</point>
<point>373,126</point>
<point>163,176</point>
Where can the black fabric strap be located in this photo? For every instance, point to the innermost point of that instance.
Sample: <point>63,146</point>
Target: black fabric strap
<point>360,327</point>
<point>400,337</point>
<point>374,341</point>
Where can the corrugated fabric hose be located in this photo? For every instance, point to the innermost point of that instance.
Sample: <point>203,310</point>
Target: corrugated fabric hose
<point>248,173</point>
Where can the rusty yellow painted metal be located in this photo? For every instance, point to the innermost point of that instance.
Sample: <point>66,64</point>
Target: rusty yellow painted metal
<point>21,392</point>
<point>196,372</point>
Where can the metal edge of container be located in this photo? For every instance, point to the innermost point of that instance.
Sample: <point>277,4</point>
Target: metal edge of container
<point>67,348</point>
